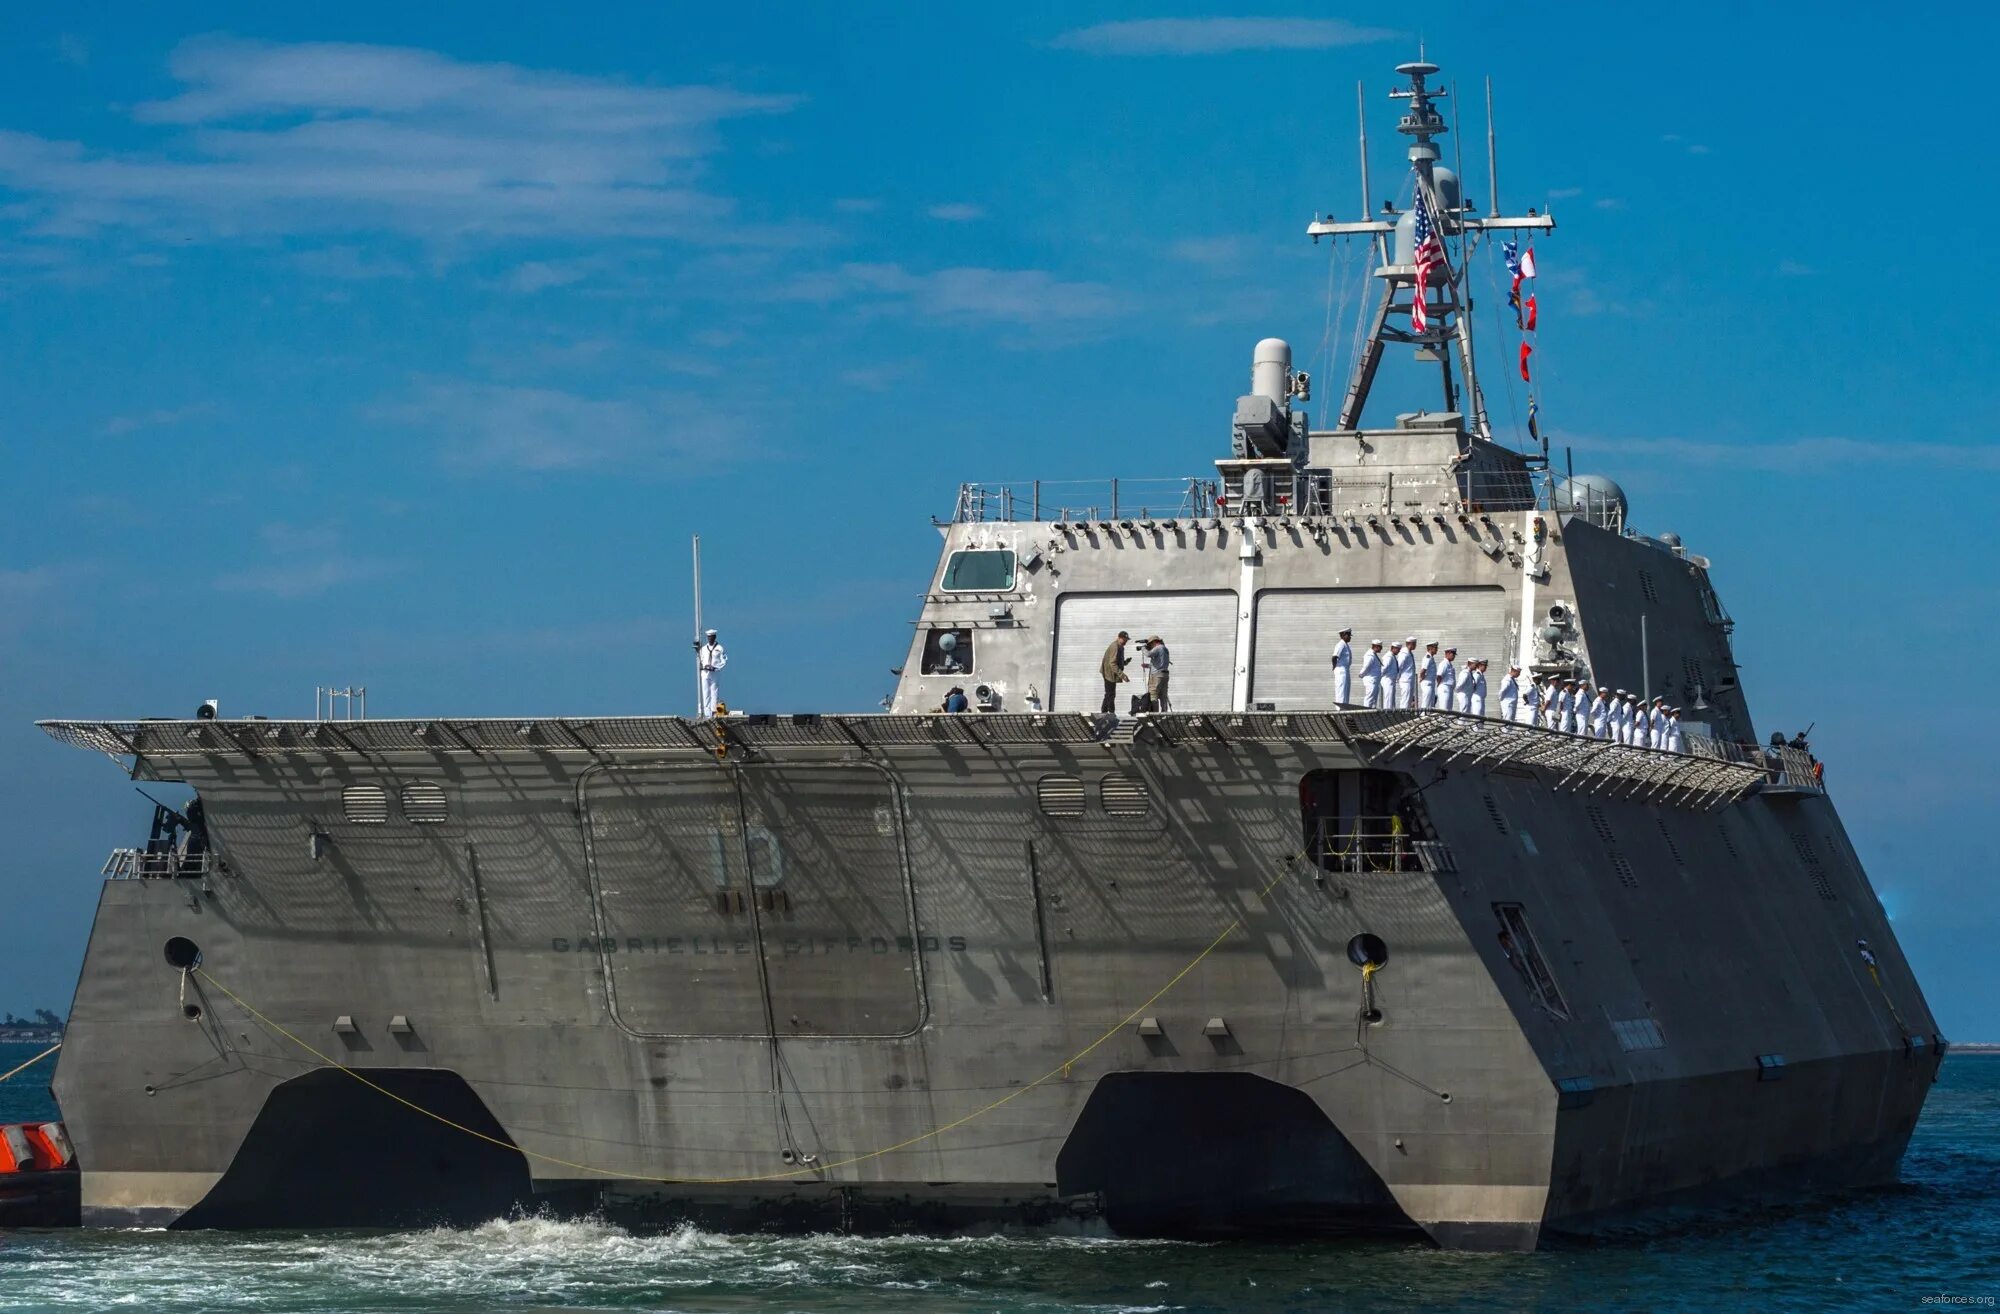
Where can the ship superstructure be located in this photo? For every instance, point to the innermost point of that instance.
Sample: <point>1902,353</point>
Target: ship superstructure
<point>1261,962</point>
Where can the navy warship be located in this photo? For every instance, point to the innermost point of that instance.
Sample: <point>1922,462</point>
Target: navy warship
<point>1255,959</point>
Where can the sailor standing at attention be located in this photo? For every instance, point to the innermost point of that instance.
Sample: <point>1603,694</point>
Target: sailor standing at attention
<point>709,658</point>
<point>1600,713</point>
<point>1531,700</point>
<point>1673,730</point>
<point>1476,704</point>
<point>1427,677</point>
<point>1392,661</point>
<point>1510,695</point>
<point>1343,668</point>
<point>1633,712</point>
<point>1461,699</point>
<point>1446,683</point>
<point>1371,675</point>
<point>1406,674</point>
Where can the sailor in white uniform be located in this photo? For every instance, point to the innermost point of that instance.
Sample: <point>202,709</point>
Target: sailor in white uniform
<point>1406,674</point>
<point>1371,675</point>
<point>709,658</point>
<point>1446,699</point>
<point>1343,668</point>
<point>1510,695</point>
<point>1476,703</point>
<point>1634,720</point>
<point>1657,724</point>
<point>1673,730</point>
<point>1392,661</point>
<point>1427,677</point>
<point>1600,713</point>
<point>1531,701</point>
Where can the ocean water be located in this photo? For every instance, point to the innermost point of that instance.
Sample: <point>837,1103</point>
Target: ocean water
<point>1936,1235</point>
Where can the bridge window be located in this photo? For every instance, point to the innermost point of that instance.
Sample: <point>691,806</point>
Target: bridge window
<point>979,571</point>
<point>366,805</point>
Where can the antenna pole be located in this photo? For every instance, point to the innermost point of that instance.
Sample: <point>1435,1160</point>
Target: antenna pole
<point>1492,156</point>
<point>1361,117</point>
<point>697,621</point>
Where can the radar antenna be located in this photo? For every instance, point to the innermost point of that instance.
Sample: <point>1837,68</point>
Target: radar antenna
<point>1446,325</point>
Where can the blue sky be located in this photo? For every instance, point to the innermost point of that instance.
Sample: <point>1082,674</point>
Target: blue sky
<point>406,346</point>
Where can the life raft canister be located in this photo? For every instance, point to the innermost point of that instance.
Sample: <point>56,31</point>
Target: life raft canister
<point>27,1147</point>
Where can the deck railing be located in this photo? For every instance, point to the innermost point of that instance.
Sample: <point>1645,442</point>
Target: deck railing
<point>1375,844</point>
<point>157,864</point>
<point>1085,499</point>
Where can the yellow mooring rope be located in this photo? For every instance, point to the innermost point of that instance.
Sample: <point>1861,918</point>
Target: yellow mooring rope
<point>791,1174</point>
<point>31,1062</point>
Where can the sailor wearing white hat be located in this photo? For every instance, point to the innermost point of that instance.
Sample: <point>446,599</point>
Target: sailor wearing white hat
<point>1600,713</point>
<point>709,658</point>
<point>1392,661</point>
<point>1446,698</point>
<point>1461,699</point>
<point>1406,674</point>
<point>1477,704</point>
<point>1343,668</point>
<point>1371,675</point>
<point>1427,677</point>
<point>1531,701</point>
<point>1510,695</point>
<point>1634,721</point>
<point>1656,724</point>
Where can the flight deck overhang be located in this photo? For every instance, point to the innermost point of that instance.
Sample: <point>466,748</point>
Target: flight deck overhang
<point>1708,774</point>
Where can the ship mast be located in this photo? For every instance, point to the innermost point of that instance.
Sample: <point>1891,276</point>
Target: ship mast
<point>1447,332</point>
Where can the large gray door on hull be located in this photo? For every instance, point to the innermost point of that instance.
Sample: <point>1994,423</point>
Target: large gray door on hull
<point>1296,629</point>
<point>1200,633</point>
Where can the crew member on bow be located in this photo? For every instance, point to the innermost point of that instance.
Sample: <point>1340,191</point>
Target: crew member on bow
<point>1343,668</point>
<point>709,658</point>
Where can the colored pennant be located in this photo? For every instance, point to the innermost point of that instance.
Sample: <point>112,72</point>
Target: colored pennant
<point>1528,263</point>
<point>1529,322</point>
<point>1534,418</point>
<point>1526,351</point>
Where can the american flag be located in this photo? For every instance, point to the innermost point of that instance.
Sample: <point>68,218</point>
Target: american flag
<point>1429,256</point>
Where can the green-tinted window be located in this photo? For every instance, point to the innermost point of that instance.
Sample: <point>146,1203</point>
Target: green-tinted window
<point>984,571</point>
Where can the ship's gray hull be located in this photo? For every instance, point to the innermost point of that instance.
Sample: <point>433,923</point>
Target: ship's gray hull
<point>821,983</point>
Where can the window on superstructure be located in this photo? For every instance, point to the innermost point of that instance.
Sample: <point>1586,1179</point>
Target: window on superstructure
<point>979,570</point>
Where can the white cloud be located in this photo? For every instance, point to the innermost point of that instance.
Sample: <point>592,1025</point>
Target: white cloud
<point>1608,203</point>
<point>1213,36</point>
<point>337,137</point>
<point>1207,250</point>
<point>502,426</point>
<point>1564,193</point>
<point>959,295</point>
<point>857,205</point>
<point>1795,269</point>
<point>957,212</point>
<point>298,561</point>
<point>348,262</point>
<point>540,275</point>
<point>154,419</point>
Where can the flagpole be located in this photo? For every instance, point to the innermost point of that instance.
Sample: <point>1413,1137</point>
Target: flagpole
<point>1492,156</point>
<point>697,622</point>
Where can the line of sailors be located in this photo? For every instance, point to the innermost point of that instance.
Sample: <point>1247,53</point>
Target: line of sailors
<point>1433,680</point>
